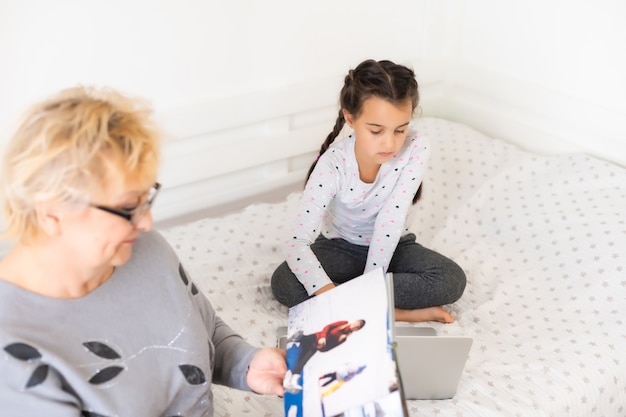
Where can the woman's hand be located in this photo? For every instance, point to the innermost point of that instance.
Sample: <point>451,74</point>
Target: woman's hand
<point>267,371</point>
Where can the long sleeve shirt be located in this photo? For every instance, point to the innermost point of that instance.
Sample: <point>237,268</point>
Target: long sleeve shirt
<point>338,204</point>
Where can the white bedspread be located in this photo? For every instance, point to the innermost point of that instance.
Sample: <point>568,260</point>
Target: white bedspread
<point>542,241</point>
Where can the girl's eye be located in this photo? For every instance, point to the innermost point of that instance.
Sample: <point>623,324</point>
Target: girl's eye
<point>400,132</point>
<point>128,208</point>
<point>376,132</point>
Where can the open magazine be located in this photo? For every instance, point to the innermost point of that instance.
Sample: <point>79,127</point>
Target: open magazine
<point>341,352</point>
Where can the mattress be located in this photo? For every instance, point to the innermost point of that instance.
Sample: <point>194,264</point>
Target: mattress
<point>541,239</point>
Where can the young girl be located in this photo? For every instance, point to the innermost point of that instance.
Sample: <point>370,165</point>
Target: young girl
<point>353,216</point>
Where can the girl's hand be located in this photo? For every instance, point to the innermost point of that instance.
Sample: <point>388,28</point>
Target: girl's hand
<point>325,288</point>
<point>266,371</point>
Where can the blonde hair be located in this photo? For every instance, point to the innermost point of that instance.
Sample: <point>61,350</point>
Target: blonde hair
<point>63,149</point>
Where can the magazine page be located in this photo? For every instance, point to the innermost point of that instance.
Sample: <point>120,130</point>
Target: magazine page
<point>339,353</point>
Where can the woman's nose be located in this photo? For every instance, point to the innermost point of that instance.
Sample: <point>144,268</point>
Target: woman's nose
<point>146,221</point>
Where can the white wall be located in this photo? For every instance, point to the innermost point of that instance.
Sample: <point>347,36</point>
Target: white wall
<point>181,52</point>
<point>263,76</point>
<point>557,69</point>
<point>218,73</point>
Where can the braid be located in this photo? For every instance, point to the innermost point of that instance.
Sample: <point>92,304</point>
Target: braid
<point>418,193</point>
<point>339,123</point>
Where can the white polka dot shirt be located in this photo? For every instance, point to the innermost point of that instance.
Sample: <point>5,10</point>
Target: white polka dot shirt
<point>338,204</point>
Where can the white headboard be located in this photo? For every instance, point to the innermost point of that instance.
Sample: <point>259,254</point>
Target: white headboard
<point>223,153</point>
<point>229,152</point>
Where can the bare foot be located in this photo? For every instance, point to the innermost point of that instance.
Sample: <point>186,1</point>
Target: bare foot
<point>424,314</point>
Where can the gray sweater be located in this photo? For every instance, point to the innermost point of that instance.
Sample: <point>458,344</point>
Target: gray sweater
<point>144,343</point>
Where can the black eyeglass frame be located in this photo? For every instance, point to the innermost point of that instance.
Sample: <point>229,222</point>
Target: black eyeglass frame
<point>135,215</point>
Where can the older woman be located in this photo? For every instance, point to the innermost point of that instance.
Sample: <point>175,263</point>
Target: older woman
<point>97,315</point>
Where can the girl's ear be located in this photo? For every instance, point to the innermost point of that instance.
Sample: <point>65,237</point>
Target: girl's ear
<point>49,218</point>
<point>347,117</point>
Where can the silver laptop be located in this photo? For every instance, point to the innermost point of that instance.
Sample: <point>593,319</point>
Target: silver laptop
<point>430,365</point>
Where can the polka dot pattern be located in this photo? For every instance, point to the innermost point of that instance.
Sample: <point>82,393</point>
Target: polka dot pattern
<point>541,239</point>
<point>337,203</point>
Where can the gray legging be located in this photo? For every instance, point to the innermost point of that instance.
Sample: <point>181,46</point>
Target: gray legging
<point>421,277</point>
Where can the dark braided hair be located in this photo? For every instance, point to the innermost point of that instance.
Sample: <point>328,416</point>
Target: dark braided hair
<point>383,79</point>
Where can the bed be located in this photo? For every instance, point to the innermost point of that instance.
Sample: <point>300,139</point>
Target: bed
<point>541,239</point>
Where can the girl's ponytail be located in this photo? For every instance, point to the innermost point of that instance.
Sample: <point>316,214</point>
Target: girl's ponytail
<point>339,123</point>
